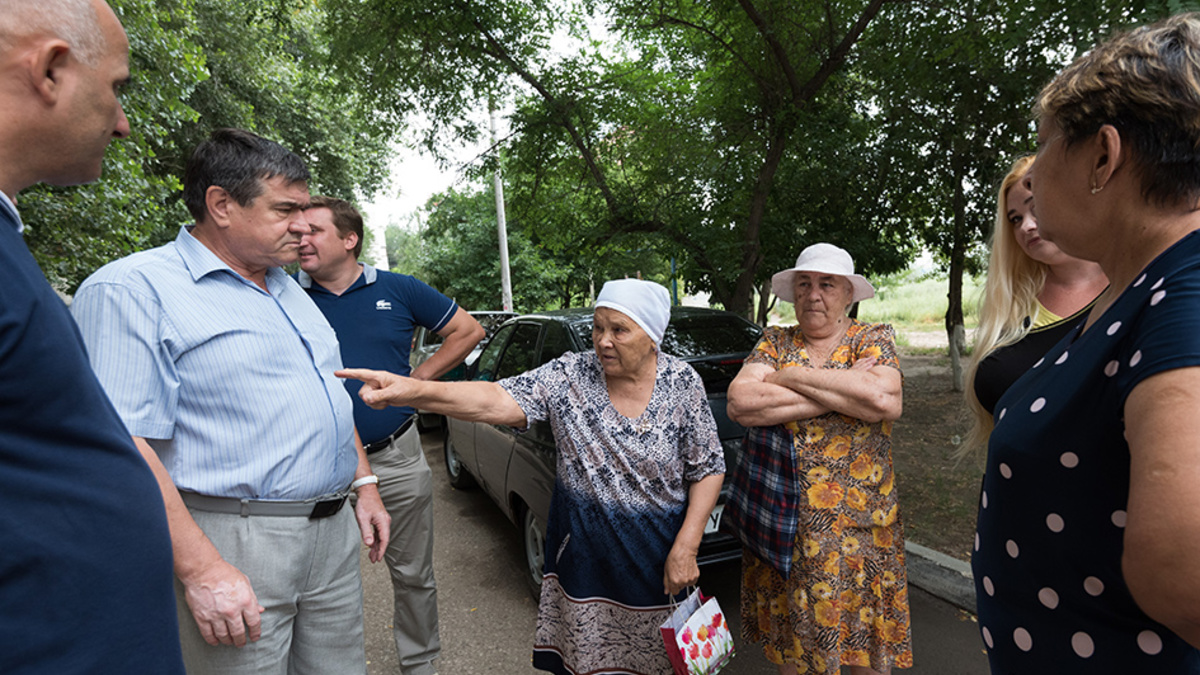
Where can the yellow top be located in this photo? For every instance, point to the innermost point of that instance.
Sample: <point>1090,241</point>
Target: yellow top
<point>1044,317</point>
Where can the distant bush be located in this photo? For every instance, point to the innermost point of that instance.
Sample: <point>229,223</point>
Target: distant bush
<point>908,300</point>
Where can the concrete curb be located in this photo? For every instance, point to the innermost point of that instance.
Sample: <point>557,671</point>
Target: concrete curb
<point>941,575</point>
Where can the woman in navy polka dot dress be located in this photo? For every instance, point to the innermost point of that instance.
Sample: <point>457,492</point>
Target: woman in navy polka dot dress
<point>1087,555</point>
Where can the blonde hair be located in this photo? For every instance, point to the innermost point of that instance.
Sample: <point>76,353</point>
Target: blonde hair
<point>1009,297</point>
<point>1146,84</point>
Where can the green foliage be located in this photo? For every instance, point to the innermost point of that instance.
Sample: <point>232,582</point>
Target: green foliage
<point>198,65</point>
<point>460,258</point>
<point>73,231</point>
<point>403,250</point>
<point>917,304</point>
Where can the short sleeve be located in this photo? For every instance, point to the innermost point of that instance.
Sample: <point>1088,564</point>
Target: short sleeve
<point>1165,335</point>
<point>768,349</point>
<point>122,330</point>
<point>429,307</point>
<point>531,389</point>
<point>877,340</point>
<point>700,444</point>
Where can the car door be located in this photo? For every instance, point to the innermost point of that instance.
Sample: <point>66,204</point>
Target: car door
<point>462,434</point>
<point>494,443</point>
<point>534,458</point>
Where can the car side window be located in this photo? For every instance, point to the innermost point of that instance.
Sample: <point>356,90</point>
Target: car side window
<point>521,351</point>
<point>489,359</point>
<point>556,343</point>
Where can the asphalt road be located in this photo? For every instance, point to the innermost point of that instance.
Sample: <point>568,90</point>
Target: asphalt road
<point>488,615</point>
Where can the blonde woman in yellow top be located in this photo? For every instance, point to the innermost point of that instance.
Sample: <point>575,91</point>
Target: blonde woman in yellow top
<point>1034,295</point>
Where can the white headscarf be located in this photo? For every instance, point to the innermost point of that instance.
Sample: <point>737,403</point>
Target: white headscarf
<point>647,303</point>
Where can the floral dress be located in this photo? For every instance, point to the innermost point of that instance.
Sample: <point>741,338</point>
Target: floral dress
<point>620,497</point>
<point>846,599</point>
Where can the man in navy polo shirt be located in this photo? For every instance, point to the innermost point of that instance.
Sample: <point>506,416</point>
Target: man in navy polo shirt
<point>374,314</point>
<point>85,554</point>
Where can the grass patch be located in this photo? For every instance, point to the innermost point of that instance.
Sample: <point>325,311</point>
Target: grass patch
<point>908,301</point>
<point>918,304</point>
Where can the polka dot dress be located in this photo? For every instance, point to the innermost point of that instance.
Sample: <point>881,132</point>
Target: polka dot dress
<point>1047,559</point>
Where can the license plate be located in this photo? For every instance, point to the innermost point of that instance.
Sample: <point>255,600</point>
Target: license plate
<point>714,519</point>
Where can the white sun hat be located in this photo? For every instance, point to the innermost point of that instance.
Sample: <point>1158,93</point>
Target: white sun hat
<point>822,259</point>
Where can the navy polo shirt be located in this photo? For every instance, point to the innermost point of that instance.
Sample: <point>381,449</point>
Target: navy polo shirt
<point>374,320</point>
<point>86,578</point>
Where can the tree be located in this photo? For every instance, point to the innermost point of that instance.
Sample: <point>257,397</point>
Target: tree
<point>955,111</point>
<point>681,136</point>
<point>461,232</point>
<point>199,65</point>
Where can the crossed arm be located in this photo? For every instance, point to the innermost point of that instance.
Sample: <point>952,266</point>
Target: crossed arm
<point>760,395</point>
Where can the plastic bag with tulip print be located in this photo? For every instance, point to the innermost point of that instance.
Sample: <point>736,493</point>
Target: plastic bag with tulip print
<point>697,636</point>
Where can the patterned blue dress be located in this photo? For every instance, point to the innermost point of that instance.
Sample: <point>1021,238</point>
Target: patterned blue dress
<point>1047,561</point>
<point>619,499</point>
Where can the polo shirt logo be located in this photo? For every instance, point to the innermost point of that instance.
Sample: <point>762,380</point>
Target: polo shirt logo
<point>383,304</point>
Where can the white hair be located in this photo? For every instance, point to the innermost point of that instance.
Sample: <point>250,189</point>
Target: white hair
<point>74,21</point>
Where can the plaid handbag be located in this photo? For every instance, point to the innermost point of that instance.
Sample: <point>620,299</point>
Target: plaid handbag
<point>764,495</point>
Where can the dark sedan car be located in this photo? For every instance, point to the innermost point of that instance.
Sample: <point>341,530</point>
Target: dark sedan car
<point>517,470</point>
<point>426,342</point>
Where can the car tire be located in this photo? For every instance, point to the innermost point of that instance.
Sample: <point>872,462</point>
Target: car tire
<point>458,476</point>
<point>533,544</point>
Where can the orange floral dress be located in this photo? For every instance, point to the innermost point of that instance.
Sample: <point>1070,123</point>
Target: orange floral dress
<point>845,602</point>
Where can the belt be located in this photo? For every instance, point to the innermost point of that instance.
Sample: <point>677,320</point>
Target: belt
<point>384,442</point>
<point>313,508</point>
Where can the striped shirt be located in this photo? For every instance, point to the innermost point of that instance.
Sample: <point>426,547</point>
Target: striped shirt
<point>232,386</point>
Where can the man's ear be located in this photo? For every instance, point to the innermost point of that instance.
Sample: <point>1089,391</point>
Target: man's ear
<point>48,65</point>
<point>350,241</point>
<point>219,202</point>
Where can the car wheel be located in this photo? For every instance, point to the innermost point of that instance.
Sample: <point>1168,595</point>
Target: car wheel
<point>533,542</point>
<point>459,477</point>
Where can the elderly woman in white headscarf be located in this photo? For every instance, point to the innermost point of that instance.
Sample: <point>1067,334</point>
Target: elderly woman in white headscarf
<point>639,471</point>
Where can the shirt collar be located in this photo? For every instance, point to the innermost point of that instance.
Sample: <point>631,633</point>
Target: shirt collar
<point>365,279</point>
<point>201,261</point>
<point>12,208</point>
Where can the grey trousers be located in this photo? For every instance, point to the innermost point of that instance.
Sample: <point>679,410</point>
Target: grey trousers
<point>406,485</point>
<point>306,573</point>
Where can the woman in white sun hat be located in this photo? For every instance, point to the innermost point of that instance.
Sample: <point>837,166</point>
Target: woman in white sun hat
<point>827,389</point>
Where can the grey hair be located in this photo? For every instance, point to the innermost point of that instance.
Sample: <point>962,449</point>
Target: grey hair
<point>74,21</point>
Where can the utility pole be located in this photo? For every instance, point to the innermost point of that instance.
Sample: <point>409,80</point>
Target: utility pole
<point>501,224</point>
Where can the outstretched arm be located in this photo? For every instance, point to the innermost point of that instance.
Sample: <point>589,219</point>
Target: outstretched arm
<point>477,401</point>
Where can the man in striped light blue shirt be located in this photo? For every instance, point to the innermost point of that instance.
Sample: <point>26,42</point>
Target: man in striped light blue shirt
<point>222,369</point>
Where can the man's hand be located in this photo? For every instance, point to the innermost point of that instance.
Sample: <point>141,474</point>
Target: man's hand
<point>224,606</point>
<point>681,570</point>
<point>380,388</point>
<point>373,520</point>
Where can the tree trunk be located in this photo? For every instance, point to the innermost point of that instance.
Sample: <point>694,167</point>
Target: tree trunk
<point>955,332</point>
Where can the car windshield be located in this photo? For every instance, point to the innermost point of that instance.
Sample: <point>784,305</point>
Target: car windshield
<point>698,336</point>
